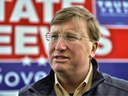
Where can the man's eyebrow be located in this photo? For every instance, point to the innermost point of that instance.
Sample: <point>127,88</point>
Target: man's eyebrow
<point>66,31</point>
<point>55,32</point>
<point>71,32</point>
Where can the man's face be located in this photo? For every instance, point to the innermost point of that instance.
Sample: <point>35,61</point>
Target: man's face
<point>73,57</point>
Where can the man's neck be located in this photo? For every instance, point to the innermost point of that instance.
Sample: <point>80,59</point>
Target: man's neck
<point>71,82</point>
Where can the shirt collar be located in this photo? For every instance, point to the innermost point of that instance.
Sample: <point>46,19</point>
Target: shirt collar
<point>86,80</point>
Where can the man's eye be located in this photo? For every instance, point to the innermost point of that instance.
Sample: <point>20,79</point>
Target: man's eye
<point>71,37</point>
<point>54,36</point>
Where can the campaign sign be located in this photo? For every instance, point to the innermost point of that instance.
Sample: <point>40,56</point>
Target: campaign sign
<point>112,12</point>
<point>112,44</point>
<point>16,74</point>
<point>23,46</point>
<point>117,69</point>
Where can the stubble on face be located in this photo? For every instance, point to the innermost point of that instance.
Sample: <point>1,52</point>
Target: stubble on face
<point>78,52</point>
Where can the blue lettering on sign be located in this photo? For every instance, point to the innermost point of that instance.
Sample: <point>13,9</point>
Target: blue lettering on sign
<point>112,11</point>
<point>14,75</point>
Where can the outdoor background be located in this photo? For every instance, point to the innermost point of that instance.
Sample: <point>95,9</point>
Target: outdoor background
<point>23,47</point>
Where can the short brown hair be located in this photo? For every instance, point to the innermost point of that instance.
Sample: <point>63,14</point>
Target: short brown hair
<point>68,13</point>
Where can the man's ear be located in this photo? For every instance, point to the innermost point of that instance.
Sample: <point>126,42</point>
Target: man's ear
<point>95,45</point>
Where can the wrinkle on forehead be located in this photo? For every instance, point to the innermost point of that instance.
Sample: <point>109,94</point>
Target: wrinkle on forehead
<point>76,24</point>
<point>59,28</point>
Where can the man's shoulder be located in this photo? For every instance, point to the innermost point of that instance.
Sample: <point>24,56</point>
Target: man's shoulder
<point>43,84</point>
<point>29,88</point>
<point>116,82</point>
<point>25,89</point>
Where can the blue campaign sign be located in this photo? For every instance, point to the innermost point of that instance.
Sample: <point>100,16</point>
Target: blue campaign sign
<point>115,69</point>
<point>112,12</point>
<point>14,75</point>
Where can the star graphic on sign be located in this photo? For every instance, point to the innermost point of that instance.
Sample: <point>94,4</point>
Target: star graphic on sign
<point>26,61</point>
<point>42,61</point>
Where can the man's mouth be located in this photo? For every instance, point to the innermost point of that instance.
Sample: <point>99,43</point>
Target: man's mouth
<point>60,57</point>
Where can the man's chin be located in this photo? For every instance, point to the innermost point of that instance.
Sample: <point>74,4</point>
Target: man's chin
<point>60,70</point>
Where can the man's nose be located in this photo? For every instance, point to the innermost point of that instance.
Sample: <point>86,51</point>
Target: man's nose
<point>60,45</point>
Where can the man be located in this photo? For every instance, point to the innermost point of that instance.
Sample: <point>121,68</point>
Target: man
<point>73,40</point>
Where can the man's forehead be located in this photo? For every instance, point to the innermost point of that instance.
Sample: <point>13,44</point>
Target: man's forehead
<point>78,26</point>
<point>67,26</point>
